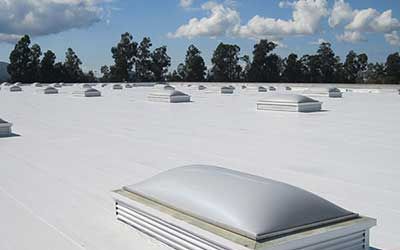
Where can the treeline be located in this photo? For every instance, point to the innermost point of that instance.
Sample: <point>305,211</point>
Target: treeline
<point>137,62</point>
<point>28,64</point>
<point>266,66</point>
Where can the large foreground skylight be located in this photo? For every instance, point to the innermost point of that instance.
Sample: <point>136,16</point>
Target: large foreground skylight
<point>245,204</point>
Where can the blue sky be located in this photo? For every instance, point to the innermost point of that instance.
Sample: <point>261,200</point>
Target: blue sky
<point>92,27</point>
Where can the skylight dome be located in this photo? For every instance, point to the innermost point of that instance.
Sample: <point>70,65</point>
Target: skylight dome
<point>57,85</point>
<point>262,89</point>
<point>92,92</point>
<point>248,210</point>
<point>5,128</point>
<point>172,96</point>
<point>15,88</point>
<point>50,90</point>
<point>117,86</point>
<point>327,92</point>
<point>227,90</point>
<point>289,102</point>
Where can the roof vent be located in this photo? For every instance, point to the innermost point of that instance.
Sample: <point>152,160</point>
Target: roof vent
<point>208,207</point>
<point>202,87</point>
<point>5,128</point>
<point>272,88</point>
<point>289,102</point>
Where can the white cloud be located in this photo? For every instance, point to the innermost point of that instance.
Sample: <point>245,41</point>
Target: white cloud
<point>360,22</point>
<point>43,17</point>
<point>285,4</point>
<point>319,41</point>
<point>341,12</point>
<point>351,37</point>
<point>224,20</point>
<point>186,3</point>
<point>393,38</point>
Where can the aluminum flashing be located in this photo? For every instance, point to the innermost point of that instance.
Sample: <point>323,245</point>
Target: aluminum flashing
<point>201,191</point>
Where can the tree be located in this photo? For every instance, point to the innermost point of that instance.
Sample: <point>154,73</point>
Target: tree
<point>327,61</point>
<point>225,63</point>
<point>89,77</point>
<point>34,67</point>
<point>59,72</point>
<point>143,62</point>
<point>124,58</point>
<point>258,70</point>
<point>72,67</point>
<point>244,75</point>
<point>47,70</point>
<point>375,73</point>
<point>194,65</point>
<point>292,69</point>
<point>273,68</point>
<point>181,71</point>
<point>392,68</point>
<point>105,70</point>
<point>160,61</point>
<point>311,71</point>
<point>21,65</point>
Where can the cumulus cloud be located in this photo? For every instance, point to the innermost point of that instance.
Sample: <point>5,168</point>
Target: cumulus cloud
<point>319,41</point>
<point>43,17</point>
<point>393,38</point>
<point>186,3</point>
<point>341,12</point>
<point>359,22</point>
<point>306,19</point>
<point>351,37</point>
<point>224,20</point>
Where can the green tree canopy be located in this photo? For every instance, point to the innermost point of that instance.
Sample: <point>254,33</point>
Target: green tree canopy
<point>47,70</point>
<point>160,61</point>
<point>143,62</point>
<point>194,65</point>
<point>225,63</point>
<point>124,57</point>
<point>259,71</point>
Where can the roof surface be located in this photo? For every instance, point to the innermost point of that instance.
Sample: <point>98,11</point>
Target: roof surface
<point>221,196</point>
<point>56,177</point>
